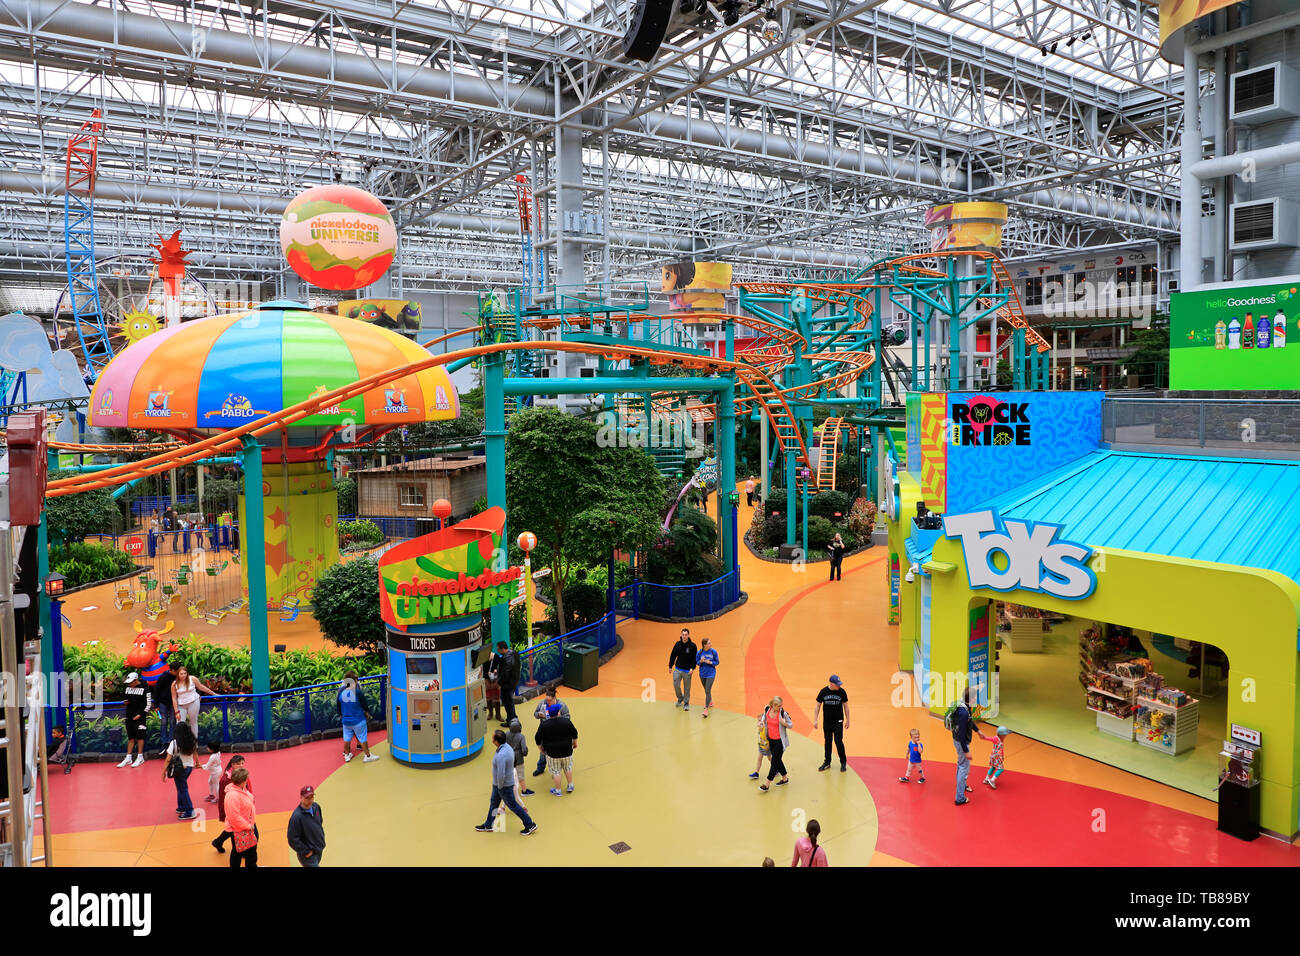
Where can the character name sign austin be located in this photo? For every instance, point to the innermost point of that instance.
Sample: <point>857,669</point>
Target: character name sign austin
<point>456,572</point>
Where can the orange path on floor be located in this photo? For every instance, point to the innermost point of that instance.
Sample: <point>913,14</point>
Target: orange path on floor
<point>795,629</point>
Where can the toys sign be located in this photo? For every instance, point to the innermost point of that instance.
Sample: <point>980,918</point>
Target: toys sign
<point>1035,560</point>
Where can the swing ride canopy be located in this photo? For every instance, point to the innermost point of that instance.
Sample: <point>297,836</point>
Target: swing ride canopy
<point>224,370</point>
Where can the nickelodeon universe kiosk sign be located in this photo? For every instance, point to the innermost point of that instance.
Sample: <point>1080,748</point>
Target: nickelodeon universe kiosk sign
<point>1034,559</point>
<point>453,573</point>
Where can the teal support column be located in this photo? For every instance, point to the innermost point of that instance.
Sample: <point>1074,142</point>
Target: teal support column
<point>726,445</point>
<point>1017,360</point>
<point>46,619</point>
<point>804,542</point>
<point>790,502</point>
<point>494,442</point>
<point>253,545</point>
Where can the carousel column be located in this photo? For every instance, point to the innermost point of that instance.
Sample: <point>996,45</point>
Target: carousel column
<point>253,546</point>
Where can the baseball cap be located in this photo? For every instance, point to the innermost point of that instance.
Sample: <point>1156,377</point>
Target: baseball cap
<point>307,791</point>
<point>132,676</point>
<point>834,678</point>
<point>553,709</point>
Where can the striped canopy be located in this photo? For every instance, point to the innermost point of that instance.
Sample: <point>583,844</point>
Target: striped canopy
<point>222,371</point>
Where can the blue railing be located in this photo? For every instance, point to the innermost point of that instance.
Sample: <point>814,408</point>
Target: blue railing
<point>145,504</point>
<point>230,718</point>
<point>684,601</point>
<point>544,663</point>
<point>399,527</point>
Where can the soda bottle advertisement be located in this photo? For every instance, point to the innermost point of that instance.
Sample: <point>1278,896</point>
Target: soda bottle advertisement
<point>1240,337</point>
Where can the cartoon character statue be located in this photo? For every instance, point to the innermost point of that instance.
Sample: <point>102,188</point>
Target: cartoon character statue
<point>144,654</point>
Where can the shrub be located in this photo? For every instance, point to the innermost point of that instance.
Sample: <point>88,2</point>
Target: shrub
<point>862,518</point>
<point>345,604</point>
<point>775,501</point>
<point>774,531</point>
<point>584,603</point>
<point>72,517</point>
<point>685,554</point>
<point>221,494</point>
<point>820,532</point>
<point>87,563</point>
<point>347,495</point>
<point>480,505</point>
<point>827,503</point>
<point>359,534</point>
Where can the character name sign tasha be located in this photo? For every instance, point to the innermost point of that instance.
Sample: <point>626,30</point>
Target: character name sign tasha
<point>1034,559</point>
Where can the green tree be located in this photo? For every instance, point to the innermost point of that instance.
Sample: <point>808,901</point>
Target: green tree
<point>345,603</point>
<point>1151,358</point>
<point>347,494</point>
<point>684,555</point>
<point>471,402</point>
<point>582,500</point>
<point>221,494</point>
<point>71,517</point>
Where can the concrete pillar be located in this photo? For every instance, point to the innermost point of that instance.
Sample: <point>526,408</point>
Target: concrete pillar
<point>1189,253</point>
<point>1072,337</point>
<point>568,200</point>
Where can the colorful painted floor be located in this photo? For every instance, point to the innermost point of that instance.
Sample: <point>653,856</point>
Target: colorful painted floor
<point>673,786</point>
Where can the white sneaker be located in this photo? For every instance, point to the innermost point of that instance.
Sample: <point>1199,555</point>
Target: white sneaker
<point>125,761</point>
<point>370,758</point>
<point>139,760</point>
<point>347,756</point>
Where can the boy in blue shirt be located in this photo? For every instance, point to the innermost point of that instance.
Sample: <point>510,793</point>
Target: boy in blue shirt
<point>707,662</point>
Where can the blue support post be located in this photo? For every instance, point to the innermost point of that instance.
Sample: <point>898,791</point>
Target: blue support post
<point>726,445</point>
<point>253,546</point>
<point>46,618</point>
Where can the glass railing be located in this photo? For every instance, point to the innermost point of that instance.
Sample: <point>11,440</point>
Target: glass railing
<point>1245,427</point>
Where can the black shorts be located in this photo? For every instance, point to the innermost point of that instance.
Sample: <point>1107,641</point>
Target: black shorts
<point>135,730</point>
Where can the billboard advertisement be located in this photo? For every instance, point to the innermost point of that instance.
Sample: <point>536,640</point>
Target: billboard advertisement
<point>696,285</point>
<point>1244,337</point>
<point>966,225</point>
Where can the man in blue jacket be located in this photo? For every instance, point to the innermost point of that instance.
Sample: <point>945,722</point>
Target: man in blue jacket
<point>962,727</point>
<point>503,787</point>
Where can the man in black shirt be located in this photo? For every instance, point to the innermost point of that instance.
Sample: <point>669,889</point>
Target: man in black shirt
<point>162,699</point>
<point>834,700</point>
<point>558,738</point>
<point>682,662</point>
<point>506,664</point>
<point>137,705</point>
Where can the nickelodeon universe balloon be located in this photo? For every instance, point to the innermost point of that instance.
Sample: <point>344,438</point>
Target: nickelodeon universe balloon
<point>338,237</point>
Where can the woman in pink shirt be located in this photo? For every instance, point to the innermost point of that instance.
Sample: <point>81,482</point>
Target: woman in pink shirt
<point>806,850</point>
<point>774,721</point>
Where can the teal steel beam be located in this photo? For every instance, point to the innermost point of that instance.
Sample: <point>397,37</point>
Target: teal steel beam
<point>494,440</point>
<point>583,386</point>
<point>726,444</point>
<point>253,545</point>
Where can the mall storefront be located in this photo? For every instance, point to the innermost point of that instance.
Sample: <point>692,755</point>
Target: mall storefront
<point>1127,606</point>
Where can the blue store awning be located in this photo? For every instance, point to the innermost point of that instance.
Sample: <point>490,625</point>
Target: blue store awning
<point>1225,510</point>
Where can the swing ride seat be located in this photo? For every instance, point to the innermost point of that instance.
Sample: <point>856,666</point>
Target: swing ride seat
<point>150,583</point>
<point>123,601</point>
<point>289,607</point>
<point>155,610</point>
<point>197,608</point>
<point>216,617</point>
<point>174,598</point>
<point>141,597</point>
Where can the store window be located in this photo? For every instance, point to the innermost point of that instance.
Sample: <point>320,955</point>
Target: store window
<point>1127,277</point>
<point>586,372</point>
<point>1080,288</point>
<point>1149,277</point>
<point>410,496</point>
<point>1034,291</point>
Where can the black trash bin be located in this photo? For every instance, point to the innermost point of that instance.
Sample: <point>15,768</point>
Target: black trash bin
<point>581,666</point>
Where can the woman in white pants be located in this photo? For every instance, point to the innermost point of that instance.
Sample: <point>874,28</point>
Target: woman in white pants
<point>185,698</point>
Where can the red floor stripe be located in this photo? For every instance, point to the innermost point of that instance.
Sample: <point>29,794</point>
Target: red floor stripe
<point>1036,821</point>
<point>99,796</point>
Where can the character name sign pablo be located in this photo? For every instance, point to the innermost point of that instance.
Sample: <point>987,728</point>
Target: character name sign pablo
<point>1035,560</point>
<point>985,420</point>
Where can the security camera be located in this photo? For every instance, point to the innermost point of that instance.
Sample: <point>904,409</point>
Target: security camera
<point>909,577</point>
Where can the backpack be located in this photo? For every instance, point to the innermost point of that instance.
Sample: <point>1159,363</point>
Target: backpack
<point>949,715</point>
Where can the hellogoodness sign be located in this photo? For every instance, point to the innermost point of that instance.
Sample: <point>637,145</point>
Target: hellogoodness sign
<point>456,572</point>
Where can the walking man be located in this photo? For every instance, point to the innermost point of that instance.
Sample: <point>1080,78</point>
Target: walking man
<point>833,708</point>
<point>550,697</point>
<point>962,726</point>
<point>307,828</point>
<point>559,738</point>
<point>681,662</point>
<point>162,699</point>
<point>503,787</point>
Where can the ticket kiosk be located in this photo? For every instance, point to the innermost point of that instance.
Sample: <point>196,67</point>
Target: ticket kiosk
<point>433,592</point>
<point>437,711</point>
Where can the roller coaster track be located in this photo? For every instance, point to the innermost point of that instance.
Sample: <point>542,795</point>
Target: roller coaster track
<point>775,406</point>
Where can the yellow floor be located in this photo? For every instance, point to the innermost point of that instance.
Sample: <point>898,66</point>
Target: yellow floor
<point>668,783</point>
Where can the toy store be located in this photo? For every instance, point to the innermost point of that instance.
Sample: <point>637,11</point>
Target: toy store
<point>1090,595</point>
